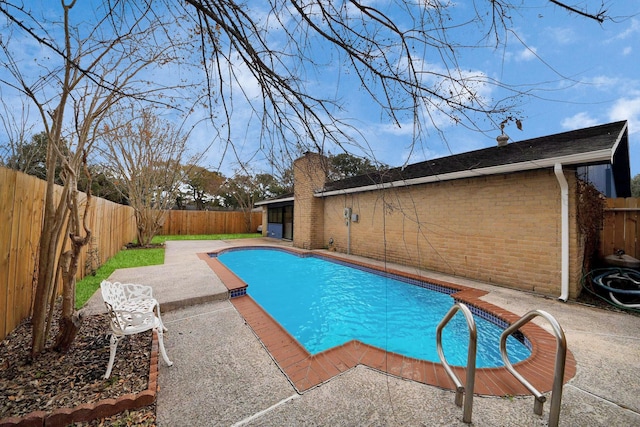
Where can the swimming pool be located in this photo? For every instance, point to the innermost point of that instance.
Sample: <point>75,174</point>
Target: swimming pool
<point>324,304</point>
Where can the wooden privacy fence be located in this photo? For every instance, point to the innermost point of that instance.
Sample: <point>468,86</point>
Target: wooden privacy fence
<point>210,222</point>
<point>620,229</point>
<point>21,216</point>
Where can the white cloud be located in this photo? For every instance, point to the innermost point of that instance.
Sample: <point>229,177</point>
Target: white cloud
<point>405,129</point>
<point>578,121</point>
<point>634,28</point>
<point>245,81</point>
<point>562,35</point>
<point>627,109</point>
<point>627,51</point>
<point>607,83</point>
<point>527,54</point>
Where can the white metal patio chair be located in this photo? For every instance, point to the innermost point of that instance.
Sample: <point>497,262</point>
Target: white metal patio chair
<point>132,309</point>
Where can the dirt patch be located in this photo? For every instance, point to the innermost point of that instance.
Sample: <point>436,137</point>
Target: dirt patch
<point>149,246</point>
<point>55,380</point>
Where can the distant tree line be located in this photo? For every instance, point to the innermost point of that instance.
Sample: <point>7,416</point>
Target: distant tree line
<point>635,186</point>
<point>199,189</point>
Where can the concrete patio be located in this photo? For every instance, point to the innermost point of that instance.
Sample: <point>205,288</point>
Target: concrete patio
<point>222,374</point>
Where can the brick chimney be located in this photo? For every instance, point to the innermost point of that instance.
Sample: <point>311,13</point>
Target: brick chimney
<point>309,176</point>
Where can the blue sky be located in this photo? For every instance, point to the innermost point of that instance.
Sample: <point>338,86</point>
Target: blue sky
<point>593,74</point>
<point>577,72</point>
<point>592,77</point>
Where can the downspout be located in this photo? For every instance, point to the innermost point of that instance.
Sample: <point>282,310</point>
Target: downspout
<point>348,237</point>
<point>349,234</point>
<point>564,213</point>
<point>347,221</point>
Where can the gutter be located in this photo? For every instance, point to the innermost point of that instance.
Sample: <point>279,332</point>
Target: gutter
<point>564,213</point>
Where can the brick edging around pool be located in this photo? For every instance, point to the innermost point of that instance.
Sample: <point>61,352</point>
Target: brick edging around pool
<point>306,371</point>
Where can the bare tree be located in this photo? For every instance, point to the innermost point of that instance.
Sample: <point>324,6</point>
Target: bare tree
<point>83,72</point>
<point>146,154</point>
<point>16,152</point>
<point>403,54</point>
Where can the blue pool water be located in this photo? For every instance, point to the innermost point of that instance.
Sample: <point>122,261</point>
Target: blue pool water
<point>325,304</point>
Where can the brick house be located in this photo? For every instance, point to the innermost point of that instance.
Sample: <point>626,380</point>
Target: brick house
<point>506,215</point>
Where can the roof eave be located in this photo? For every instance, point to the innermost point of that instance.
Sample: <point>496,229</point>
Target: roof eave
<point>272,201</point>
<point>618,140</point>
<point>591,157</point>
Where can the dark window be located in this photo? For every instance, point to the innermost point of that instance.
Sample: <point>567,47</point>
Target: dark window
<point>275,216</point>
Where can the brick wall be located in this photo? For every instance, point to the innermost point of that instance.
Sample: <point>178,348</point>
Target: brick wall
<point>502,229</point>
<point>265,221</point>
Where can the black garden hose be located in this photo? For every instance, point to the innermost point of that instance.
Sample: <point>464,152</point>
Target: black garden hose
<point>630,278</point>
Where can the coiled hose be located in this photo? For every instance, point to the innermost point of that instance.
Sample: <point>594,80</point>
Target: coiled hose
<point>616,283</point>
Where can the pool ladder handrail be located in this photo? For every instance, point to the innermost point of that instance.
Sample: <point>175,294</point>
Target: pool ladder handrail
<point>558,373</point>
<point>471,359</point>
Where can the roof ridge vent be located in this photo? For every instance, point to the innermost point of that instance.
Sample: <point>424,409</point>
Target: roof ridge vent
<point>503,139</point>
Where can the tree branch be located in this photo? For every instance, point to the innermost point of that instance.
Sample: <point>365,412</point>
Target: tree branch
<point>600,16</point>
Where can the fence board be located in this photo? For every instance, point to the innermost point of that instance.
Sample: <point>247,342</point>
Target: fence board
<point>618,237</point>
<point>180,222</point>
<point>620,229</point>
<point>608,230</point>
<point>631,228</point>
<point>14,256</point>
<point>23,248</point>
<point>21,214</point>
<point>7,182</point>
<point>35,221</point>
<point>634,218</point>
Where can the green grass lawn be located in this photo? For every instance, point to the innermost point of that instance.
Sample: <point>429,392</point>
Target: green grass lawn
<point>138,258</point>
<point>123,259</point>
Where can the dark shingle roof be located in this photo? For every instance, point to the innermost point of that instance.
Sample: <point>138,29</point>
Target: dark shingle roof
<point>283,199</point>
<point>579,147</point>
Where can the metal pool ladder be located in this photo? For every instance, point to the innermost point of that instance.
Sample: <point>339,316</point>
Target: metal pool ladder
<point>471,359</point>
<point>558,372</point>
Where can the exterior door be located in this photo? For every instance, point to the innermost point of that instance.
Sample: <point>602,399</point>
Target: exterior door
<point>287,223</point>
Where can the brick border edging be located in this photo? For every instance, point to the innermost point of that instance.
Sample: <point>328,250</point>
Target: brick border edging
<point>305,371</point>
<point>100,409</point>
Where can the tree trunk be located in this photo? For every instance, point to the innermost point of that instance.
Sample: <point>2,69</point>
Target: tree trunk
<point>148,223</point>
<point>70,321</point>
<point>247,219</point>
<point>69,327</point>
<point>55,216</point>
<point>45,287</point>
<point>42,295</point>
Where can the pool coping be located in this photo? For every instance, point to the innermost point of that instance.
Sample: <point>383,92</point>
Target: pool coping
<point>306,371</point>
